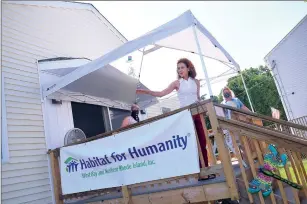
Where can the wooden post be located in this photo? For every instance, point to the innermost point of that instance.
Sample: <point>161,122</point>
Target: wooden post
<point>126,195</point>
<point>56,177</point>
<point>223,152</point>
<point>251,163</point>
<point>288,173</point>
<point>302,165</point>
<point>261,161</point>
<point>240,159</point>
<point>300,173</point>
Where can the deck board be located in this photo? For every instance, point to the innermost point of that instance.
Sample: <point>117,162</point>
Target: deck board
<point>156,188</point>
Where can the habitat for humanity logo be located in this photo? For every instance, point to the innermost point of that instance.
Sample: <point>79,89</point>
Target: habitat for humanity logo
<point>71,164</point>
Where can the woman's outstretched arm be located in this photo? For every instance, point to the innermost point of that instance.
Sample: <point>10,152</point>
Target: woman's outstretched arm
<point>166,91</point>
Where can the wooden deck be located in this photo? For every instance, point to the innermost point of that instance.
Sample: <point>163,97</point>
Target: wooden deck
<point>232,180</point>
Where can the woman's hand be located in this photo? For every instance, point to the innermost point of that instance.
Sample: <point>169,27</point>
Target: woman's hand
<point>141,91</point>
<point>166,91</point>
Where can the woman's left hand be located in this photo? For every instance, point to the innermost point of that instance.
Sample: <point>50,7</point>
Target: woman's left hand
<point>141,91</point>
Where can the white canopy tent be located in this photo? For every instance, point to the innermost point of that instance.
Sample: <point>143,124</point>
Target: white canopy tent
<point>184,33</point>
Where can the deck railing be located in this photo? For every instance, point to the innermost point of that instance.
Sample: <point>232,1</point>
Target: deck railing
<point>290,130</point>
<point>253,138</point>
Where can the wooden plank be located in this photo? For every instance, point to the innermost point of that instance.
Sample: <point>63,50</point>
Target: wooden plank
<point>251,163</point>
<point>126,195</point>
<point>287,170</point>
<point>302,165</point>
<point>240,159</point>
<point>260,159</point>
<point>260,116</point>
<point>290,158</point>
<point>56,178</point>
<point>300,173</point>
<point>280,139</point>
<point>195,194</point>
<point>274,133</point>
<point>223,152</point>
<point>216,191</point>
<point>279,183</point>
<point>215,169</point>
<point>211,155</point>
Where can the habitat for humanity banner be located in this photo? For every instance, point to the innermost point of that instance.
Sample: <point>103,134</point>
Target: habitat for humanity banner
<point>161,149</point>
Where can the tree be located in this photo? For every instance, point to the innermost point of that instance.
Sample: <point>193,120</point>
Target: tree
<point>215,99</point>
<point>261,88</point>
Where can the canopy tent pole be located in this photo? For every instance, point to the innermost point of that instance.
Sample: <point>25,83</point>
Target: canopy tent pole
<point>139,77</point>
<point>202,61</point>
<point>249,100</point>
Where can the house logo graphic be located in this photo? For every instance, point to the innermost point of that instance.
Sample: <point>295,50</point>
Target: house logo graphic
<point>71,164</point>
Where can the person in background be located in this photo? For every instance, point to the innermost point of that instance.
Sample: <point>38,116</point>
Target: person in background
<point>187,87</point>
<point>231,100</point>
<point>133,118</point>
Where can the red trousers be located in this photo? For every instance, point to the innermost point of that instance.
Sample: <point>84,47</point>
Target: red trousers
<point>201,137</point>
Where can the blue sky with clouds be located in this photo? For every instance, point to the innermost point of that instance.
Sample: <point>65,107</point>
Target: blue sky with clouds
<point>248,30</point>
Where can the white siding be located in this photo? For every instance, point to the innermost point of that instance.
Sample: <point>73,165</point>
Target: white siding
<point>31,33</point>
<point>290,71</point>
<point>172,103</point>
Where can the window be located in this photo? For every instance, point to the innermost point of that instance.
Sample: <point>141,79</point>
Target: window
<point>165,110</point>
<point>4,139</point>
<point>117,116</point>
<point>89,118</point>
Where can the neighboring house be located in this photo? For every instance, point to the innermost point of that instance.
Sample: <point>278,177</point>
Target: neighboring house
<point>165,105</point>
<point>288,61</point>
<point>64,33</point>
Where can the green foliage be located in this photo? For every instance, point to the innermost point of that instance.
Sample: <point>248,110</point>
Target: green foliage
<point>262,90</point>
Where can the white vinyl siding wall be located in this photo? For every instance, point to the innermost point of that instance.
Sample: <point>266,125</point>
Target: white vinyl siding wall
<point>31,33</point>
<point>25,179</point>
<point>155,110</point>
<point>290,71</point>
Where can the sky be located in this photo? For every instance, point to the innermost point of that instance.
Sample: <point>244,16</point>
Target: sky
<point>248,30</point>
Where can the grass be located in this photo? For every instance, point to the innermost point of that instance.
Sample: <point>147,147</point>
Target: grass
<point>283,174</point>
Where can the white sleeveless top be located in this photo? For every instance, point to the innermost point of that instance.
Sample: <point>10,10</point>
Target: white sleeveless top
<point>187,92</point>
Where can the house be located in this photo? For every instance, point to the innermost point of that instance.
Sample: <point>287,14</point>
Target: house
<point>40,36</point>
<point>165,105</point>
<point>288,62</point>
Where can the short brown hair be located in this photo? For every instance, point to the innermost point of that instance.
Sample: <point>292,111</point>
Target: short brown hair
<point>190,66</point>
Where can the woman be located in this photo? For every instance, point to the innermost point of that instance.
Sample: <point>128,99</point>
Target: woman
<point>134,118</point>
<point>231,100</point>
<point>187,88</point>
